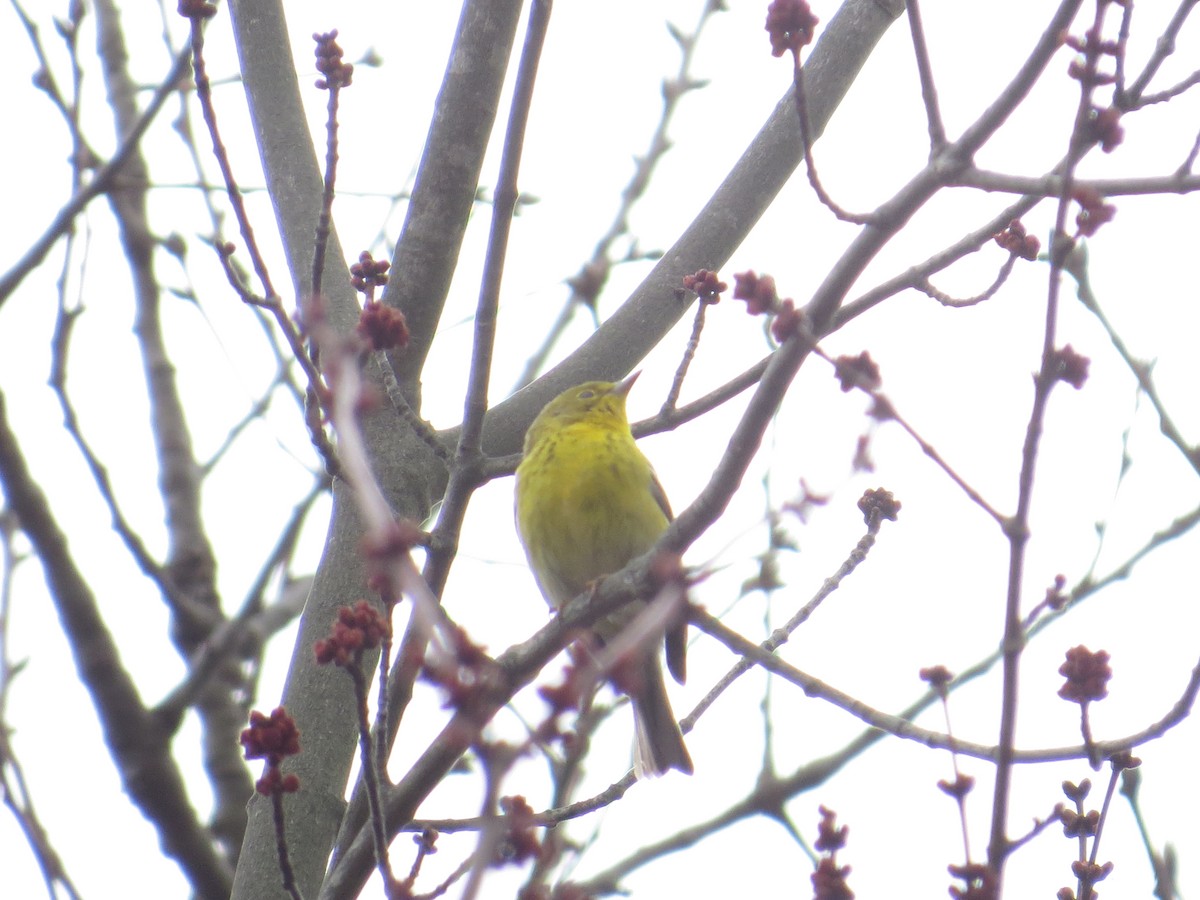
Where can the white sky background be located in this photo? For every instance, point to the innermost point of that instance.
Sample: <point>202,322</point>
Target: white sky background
<point>932,590</point>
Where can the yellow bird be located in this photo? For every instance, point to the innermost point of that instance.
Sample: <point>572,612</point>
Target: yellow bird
<point>587,502</point>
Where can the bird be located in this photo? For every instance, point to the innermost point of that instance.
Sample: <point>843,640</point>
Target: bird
<point>587,502</point>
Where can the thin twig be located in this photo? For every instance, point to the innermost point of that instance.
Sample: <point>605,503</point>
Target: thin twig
<point>781,635</point>
<point>933,115</point>
<point>926,287</point>
<point>1172,92</point>
<point>810,166</point>
<point>689,353</point>
<point>1051,185</point>
<point>14,789</point>
<point>464,475</point>
<point>1017,529</point>
<point>586,283</point>
<point>1142,371</point>
<point>404,409</point>
<point>141,752</point>
<point>100,184</point>
<point>133,543</point>
<point>1164,47</point>
<point>269,300</point>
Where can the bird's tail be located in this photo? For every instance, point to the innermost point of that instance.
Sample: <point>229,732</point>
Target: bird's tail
<point>659,741</point>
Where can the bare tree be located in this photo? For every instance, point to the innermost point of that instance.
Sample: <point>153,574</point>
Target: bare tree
<point>353,349</point>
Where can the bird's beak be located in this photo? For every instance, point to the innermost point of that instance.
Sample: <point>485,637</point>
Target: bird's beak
<point>621,388</point>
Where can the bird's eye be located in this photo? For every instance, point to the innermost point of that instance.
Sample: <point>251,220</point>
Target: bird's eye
<point>586,395</point>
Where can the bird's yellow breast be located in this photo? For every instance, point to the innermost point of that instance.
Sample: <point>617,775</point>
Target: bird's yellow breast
<point>586,505</point>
